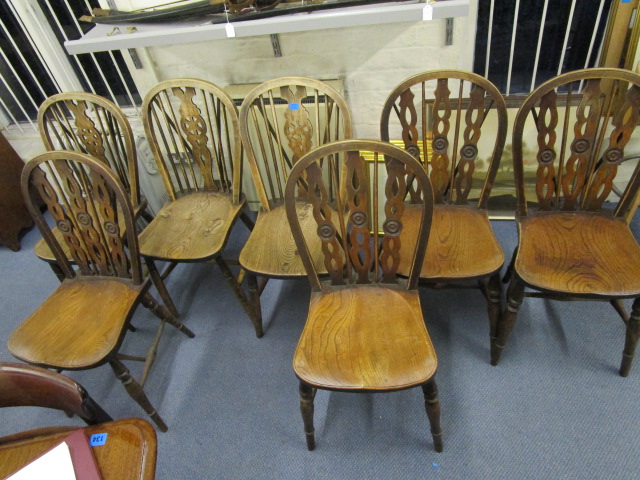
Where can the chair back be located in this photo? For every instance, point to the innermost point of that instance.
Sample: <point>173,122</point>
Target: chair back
<point>192,128</point>
<point>571,132</point>
<point>91,210</point>
<point>87,123</point>
<point>441,116</point>
<point>28,386</point>
<point>373,199</point>
<point>282,120</point>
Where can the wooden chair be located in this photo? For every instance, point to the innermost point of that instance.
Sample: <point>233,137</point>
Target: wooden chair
<point>365,331</point>
<point>575,242</point>
<point>28,386</point>
<point>83,323</point>
<point>192,127</point>
<point>87,123</point>
<point>281,120</point>
<point>446,119</point>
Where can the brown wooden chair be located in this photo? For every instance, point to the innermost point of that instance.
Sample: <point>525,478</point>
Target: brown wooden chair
<point>192,128</point>
<point>365,331</point>
<point>574,243</point>
<point>83,323</point>
<point>29,386</point>
<point>87,123</point>
<point>447,119</point>
<point>280,121</point>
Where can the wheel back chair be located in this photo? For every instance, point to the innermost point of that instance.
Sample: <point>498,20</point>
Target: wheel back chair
<point>574,243</point>
<point>87,123</point>
<point>447,119</point>
<point>365,331</point>
<point>83,322</point>
<point>282,120</point>
<point>192,128</point>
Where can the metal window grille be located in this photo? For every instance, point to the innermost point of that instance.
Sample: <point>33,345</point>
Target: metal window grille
<point>27,75</point>
<point>564,35</point>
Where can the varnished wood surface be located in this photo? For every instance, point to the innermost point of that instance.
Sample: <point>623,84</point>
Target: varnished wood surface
<point>461,244</point>
<point>194,227</point>
<point>14,215</point>
<point>349,341</point>
<point>580,254</point>
<point>271,249</point>
<point>79,325</point>
<point>128,454</point>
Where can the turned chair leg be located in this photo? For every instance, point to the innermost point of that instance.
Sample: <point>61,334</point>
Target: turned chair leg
<point>432,406</point>
<point>306,408</point>
<point>156,278</point>
<point>163,313</point>
<point>254,298</point>
<point>136,392</point>
<point>515,294</point>
<point>494,305</point>
<point>631,340</point>
<point>239,293</point>
<point>55,268</point>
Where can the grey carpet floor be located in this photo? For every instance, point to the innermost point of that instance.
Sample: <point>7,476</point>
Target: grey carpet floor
<point>555,407</point>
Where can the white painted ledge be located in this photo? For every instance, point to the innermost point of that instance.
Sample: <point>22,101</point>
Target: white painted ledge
<point>98,40</point>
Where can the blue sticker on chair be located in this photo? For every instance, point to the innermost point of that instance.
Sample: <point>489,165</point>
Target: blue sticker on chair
<point>625,1</point>
<point>98,439</point>
<point>294,106</point>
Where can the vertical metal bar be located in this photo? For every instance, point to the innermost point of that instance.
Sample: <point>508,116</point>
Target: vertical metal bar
<point>513,45</point>
<point>595,32</point>
<point>26,90</point>
<point>9,114</point>
<point>535,63</point>
<point>490,31</point>
<point>35,49</point>
<point>566,36</point>
<point>18,102</point>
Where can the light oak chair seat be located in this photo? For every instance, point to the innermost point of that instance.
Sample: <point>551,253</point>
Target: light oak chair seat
<point>279,257</point>
<point>579,254</point>
<point>191,228</point>
<point>461,244</point>
<point>65,331</point>
<point>349,342</point>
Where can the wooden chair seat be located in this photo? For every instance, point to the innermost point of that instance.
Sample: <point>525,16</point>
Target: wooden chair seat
<point>461,244</point>
<point>271,250</point>
<point>191,228</point>
<point>67,332</point>
<point>349,342</point>
<point>579,254</point>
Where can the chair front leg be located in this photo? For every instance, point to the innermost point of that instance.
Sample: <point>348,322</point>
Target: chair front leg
<point>631,340</point>
<point>254,298</point>
<point>432,406</point>
<point>136,392</point>
<point>158,282</point>
<point>306,408</point>
<point>515,293</point>
<point>494,305</point>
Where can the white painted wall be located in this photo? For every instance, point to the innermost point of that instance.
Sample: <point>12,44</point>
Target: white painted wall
<point>371,60</point>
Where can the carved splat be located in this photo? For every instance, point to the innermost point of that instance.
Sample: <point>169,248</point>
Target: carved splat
<point>547,122</point>
<point>395,191</point>
<point>195,129</point>
<point>358,226</point>
<point>297,127</point>
<point>625,122</point>
<point>88,134</point>
<point>331,248</point>
<point>83,208</point>
<point>440,158</point>
<point>584,131</point>
<point>474,117</point>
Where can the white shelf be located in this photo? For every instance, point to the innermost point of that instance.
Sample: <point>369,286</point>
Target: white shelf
<point>99,40</point>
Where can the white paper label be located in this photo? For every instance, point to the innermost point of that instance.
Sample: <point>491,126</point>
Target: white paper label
<point>231,32</point>
<point>427,12</point>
